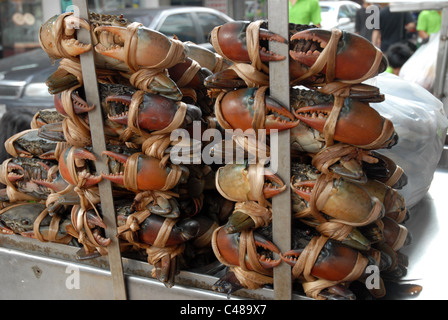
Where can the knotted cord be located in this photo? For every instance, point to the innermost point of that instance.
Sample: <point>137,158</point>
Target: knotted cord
<point>305,263</point>
<point>252,277</point>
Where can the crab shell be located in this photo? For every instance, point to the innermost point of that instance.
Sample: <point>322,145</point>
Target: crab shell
<point>354,58</point>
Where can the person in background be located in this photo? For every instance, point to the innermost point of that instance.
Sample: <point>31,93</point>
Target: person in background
<point>360,21</point>
<point>393,28</point>
<point>428,22</point>
<point>305,12</point>
<point>397,54</point>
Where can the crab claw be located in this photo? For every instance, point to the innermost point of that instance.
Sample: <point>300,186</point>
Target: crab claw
<point>234,182</point>
<point>155,112</point>
<point>232,40</point>
<point>340,199</point>
<point>238,110</point>
<point>58,184</point>
<point>227,246</point>
<point>79,104</point>
<point>358,124</point>
<point>225,79</point>
<point>335,261</point>
<point>80,155</point>
<point>151,47</point>
<point>352,50</point>
<point>15,172</point>
<point>182,231</point>
<point>146,167</point>
<point>48,36</point>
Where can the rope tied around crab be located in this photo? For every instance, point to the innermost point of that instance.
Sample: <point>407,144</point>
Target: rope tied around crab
<point>334,153</point>
<point>11,190</point>
<point>142,77</point>
<point>261,216</point>
<point>247,249</point>
<point>341,91</point>
<point>80,229</point>
<point>255,176</point>
<point>250,140</point>
<point>305,263</point>
<point>255,74</point>
<point>133,114</point>
<point>337,229</point>
<point>158,249</point>
<point>328,59</point>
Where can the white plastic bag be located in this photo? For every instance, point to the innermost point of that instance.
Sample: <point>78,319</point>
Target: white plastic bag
<point>420,122</point>
<point>421,66</point>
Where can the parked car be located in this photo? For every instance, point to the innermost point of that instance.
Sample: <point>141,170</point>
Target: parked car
<point>23,76</point>
<point>339,14</point>
<point>187,23</point>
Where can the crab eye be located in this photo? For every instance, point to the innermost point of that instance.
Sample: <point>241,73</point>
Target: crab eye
<point>25,222</point>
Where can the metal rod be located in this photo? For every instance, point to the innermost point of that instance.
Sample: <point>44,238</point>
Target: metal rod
<point>440,88</point>
<point>281,205</point>
<point>99,145</point>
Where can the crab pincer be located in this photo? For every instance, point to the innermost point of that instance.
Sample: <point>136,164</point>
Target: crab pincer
<point>57,36</point>
<point>232,40</point>
<point>76,164</point>
<point>349,50</point>
<point>251,108</point>
<point>149,173</point>
<point>149,47</point>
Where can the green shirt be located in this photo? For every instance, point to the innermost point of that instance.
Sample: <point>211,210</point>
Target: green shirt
<point>305,12</point>
<point>429,21</point>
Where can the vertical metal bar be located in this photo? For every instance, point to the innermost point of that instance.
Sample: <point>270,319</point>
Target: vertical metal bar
<point>99,145</point>
<point>440,81</point>
<point>281,204</point>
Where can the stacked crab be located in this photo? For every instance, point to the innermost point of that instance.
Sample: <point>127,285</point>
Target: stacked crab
<point>347,213</point>
<point>186,215</point>
<point>149,86</point>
